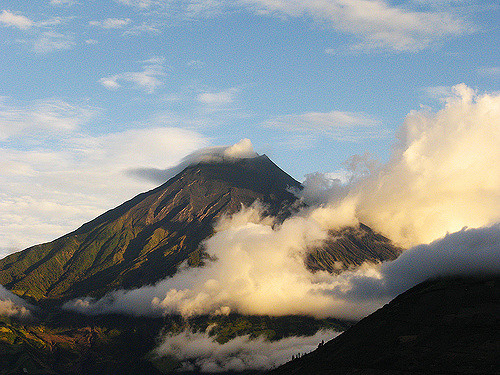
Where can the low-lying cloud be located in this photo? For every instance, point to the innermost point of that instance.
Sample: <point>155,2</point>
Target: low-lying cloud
<point>12,305</point>
<point>440,179</point>
<point>198,351</point>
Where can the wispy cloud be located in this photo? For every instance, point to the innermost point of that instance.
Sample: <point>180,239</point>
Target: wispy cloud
<point>337,125</point>
<point>54,174</point>
<point>142,4</point>
<point>376,23</point>
<point>218,99</point>
<point>149,79</point>
<point>8,18</point>
<point>67,3</point>
<point>49,41</point>
<point>111,23</point>
<point>42,118</point>
<point>491,71</point>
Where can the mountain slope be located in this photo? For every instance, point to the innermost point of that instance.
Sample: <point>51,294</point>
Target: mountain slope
<point>145,239</point>
<point>443,326</point>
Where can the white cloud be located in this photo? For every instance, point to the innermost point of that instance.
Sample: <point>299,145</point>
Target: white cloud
<point>62,2</point>
<point>240,150</point>
<point>492,71</point>
<point>11,19</point>
<point>345,126</point>
<point>442,177</point>
<point>204,8</point>
<point>218,99</point>
<point>111,23</point>
<point>142,4</point>
<point>375,22</point>
<point>54,176</point>
<point>42,118</point>
<point>49,41</point>
<point>12,305</point>
<point>463,253</point>
<point>148,79</point>
<point>199,351</point>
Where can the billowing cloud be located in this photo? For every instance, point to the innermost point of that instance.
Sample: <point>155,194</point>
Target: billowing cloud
<point>148,79</point>
<point>198,351</point>
<point>8,18</point>
<point>442,176</point>
<point>375,22</point>
<point>439,180</point>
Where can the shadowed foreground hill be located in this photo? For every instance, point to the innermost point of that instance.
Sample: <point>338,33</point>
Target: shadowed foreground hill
<point>145,239</point>
<point>444,326</point>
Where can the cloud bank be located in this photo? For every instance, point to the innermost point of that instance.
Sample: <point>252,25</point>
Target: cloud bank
<point>198,351</point>
<point>12,305</point>
<point>440,179</point>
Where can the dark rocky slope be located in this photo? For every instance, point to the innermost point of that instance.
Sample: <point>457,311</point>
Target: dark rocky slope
<point>444,326</point>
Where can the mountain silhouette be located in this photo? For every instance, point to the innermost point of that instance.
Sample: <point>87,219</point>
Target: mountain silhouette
<point>441,326</point>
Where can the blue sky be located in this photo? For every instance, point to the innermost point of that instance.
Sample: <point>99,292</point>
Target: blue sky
<point>91,89</point>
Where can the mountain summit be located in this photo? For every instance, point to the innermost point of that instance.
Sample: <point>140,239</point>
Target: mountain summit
<point>146,238</point>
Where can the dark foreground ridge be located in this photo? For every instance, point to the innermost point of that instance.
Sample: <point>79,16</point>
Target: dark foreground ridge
<point>443,326</point>
<point>146,238</point>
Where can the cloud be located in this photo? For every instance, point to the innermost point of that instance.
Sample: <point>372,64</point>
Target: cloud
<point>8,18</point>
<point>240,150</point>
<point>338,125</point>
<point>148,79</point>
<point>376,23</point>
<point>49,41</point>
<point>12,305</point>
<point>465,253</point>
<point>439,180</point>
<point>42,118</point>
<point>492,71</point>
<point>218,100</point>
<point>111,23</point>
<point>54,175</point>
<point>142,4</point>
<point>62,3</point>
<point>441,176</point>
<point>259,271</point>
<point>198,351</point>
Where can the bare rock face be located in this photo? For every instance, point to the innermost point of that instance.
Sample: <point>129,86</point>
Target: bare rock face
<point>146,238</point>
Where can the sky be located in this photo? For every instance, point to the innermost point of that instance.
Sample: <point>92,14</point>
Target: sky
<point>90,90</point>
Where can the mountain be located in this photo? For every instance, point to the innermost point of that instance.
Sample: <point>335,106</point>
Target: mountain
<point>146,238</point>
<point>442,326</point>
